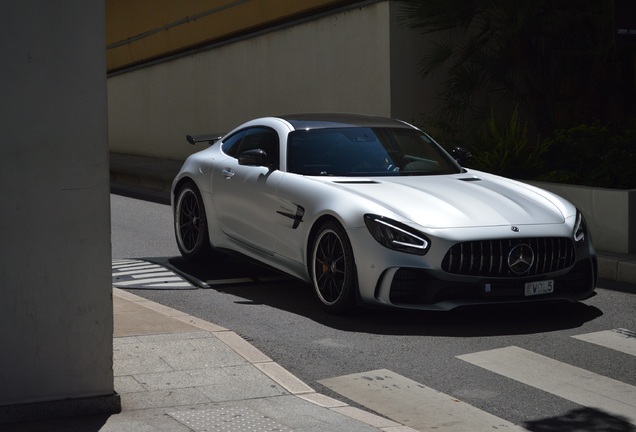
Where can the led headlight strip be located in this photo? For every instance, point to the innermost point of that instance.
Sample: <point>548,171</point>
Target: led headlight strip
<point>396,235</point>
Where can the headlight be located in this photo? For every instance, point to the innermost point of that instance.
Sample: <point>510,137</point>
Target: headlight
<point>580,229</point>
<point>397,236</point>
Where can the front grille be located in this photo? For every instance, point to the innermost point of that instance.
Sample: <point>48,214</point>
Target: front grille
<point>490,257</point>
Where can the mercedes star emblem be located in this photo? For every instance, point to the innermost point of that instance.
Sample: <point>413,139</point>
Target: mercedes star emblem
<point>521,259</point>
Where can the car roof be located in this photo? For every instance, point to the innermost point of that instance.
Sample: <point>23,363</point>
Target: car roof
<point>339,120</point>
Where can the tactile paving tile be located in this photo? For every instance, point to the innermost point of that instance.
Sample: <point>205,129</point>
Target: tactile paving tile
<point>231,419</point>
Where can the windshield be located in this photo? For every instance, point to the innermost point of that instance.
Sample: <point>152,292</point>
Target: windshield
<point>366,152</point>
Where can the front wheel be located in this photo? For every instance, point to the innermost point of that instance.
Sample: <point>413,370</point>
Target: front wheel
<point>332,268</point>
<point>190,224</point>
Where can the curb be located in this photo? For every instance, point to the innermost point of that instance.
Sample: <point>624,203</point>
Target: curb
<point>617,268</point>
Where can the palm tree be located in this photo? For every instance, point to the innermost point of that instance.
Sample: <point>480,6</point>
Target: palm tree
<point>554,59</point>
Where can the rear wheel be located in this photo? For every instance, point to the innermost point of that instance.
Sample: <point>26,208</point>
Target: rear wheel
<point>190,224</point>
<point>333,268</point>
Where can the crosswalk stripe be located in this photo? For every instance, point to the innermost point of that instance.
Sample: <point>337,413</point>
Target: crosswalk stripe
<point>169,285</point>
<point>138,266</point>
<point>413,404</point>
<point>139,274</point>
<point>150,280</point>
<point>133,272</point>
<point>569,382</point>
<point>156,274</point>
<point>618,339</point>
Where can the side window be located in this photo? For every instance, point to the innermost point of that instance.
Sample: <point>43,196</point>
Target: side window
<point>261,138</point>
<point>254,138</point>
<point>231,145</point>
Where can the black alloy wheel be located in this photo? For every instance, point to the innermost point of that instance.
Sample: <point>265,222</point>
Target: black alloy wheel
<point>332,268</point>
<point>190,223</point>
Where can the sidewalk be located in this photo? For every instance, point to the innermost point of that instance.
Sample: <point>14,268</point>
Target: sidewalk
<point>175,372</point>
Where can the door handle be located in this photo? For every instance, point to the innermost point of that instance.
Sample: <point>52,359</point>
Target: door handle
<point>227,173</point>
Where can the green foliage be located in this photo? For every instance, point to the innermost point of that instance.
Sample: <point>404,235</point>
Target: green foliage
<point>552,63</point>
<point>555,59</point>
<point>505,150</point>
<point>595,155</point>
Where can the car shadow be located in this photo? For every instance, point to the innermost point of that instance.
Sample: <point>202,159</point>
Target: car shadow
<point>582,419</point>
<point>258,285</point>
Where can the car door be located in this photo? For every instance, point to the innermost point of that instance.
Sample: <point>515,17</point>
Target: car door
<point>244,196</point>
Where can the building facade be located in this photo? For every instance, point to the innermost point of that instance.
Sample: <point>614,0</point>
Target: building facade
<point>204,69</point>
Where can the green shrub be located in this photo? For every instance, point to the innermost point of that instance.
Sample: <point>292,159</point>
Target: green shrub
<point>592,155</point>
<point>506,151</point>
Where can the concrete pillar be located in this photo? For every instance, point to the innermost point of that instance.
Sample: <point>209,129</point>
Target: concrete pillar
<point>56,317</point>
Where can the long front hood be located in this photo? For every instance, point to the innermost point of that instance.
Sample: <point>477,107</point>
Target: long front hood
<point>453,201</point>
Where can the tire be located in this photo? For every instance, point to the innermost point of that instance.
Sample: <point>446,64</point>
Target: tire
<point>332,268</point>
<point>190,224</point>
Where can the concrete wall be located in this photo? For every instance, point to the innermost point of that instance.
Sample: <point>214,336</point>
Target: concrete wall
<point>356,60</point>
<point>609,213</point>
<point>56,317</point>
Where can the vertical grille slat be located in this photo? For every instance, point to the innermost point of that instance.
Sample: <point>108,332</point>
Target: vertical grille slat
<point>533,244</point>
<point>490,257</point>
<point>501,262</point>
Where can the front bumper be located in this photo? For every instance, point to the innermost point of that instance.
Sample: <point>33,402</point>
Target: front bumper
<point>419,289</point>
<point>392,279</point>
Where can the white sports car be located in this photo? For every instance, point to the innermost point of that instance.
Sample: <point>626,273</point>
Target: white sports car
<point>372,210</point>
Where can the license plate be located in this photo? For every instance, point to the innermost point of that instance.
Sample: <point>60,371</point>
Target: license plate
<point>539,287</point>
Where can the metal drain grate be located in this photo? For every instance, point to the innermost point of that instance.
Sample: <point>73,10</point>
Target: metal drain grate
<point>231,419</point>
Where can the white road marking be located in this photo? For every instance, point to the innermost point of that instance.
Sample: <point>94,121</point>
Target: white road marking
<point>156,274</point>
<point>133,272</point>
<point>144,274</point>
<point>133,266</point>
<point>412,404</point>
<point>569,382</point>
<point>618,339</point>
<point>150,280</point>
<point>169,285</point>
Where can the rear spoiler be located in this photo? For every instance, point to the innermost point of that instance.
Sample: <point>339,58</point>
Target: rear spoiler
<point>211,139</point>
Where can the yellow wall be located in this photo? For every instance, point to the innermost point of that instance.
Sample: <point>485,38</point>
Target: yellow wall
<point>138,31</point>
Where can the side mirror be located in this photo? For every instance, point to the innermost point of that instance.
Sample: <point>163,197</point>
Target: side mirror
<point>255,157</point>
<point>461,155</point>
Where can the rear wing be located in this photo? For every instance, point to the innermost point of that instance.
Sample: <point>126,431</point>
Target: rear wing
<point>211,138</point>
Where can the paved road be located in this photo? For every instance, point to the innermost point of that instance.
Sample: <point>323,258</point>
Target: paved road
<point>560,367</point>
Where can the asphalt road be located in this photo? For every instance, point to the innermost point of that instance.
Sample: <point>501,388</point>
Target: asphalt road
<point>462,355</point>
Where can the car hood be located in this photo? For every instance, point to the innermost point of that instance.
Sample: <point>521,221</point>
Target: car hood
<point>452,201</point>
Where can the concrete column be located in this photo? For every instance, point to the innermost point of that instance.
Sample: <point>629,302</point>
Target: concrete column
<point>56,317</point>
